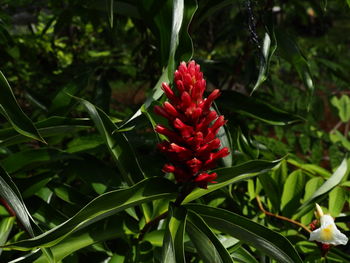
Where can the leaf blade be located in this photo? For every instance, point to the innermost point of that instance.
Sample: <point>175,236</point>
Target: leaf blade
<point>14,114</point>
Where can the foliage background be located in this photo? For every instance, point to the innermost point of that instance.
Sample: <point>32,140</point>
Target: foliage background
<point>282,67</point>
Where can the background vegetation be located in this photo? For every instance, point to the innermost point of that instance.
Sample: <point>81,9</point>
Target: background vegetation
<point>79,82</point>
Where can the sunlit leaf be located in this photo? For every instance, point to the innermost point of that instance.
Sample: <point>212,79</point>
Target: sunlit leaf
<point>173,244</point>
<point>327,186</point>
<point>266,54</point>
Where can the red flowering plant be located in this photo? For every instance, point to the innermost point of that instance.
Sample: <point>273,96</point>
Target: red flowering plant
<point>192,147</point>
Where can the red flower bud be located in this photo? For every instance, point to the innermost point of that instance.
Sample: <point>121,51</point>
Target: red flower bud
<point>203,179</point>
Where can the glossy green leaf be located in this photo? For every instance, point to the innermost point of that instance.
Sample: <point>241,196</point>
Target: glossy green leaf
<point>337,199</point>
<point>254,234</point>
<point>311,168</point>
<point>207,244</point>
<point>102,207</point>
<point>29,159</point>
<point>117,143</point>
<point>255,108</point>
<point>230,175</point>
<point>266,55</point>
<point>175,44</point>
<point>311,186</point>
<point>327,186</point>
<point>53,126</point>
<point>241,255</point>
<point>173,244</point>
<point>97,232</point>
<point>292,192</point>
<point>10,193</point>
<point>14,114</point>
<point>5,229</point>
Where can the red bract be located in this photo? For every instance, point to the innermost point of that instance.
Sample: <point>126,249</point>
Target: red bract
<point>192,148</point>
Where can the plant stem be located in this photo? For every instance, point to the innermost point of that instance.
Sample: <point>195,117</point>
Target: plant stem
<point>188,188</point>
<point>281,217</point>
<point>150,224</point>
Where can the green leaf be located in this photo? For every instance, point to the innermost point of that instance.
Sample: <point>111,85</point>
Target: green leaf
<point>311,168</point>
<point>254,234</point>
<point>14,114</point>
<point>29,159</point>
<point>5,229</point>
<point>266,55</point>
<point>337,199</point>
<point>173,244</point>
<point>97,232</point>
<point>335,136</point>
<point>102,207</point>
<point>290,51</point>
<point>175,45</point>
<point>343,106</point>
<point>10,193</point>
<point>271,189</point>
<point>117,143</point>
<point>110,11</point>
<point>243,256</point>
<point>311,186</point>
<point>207,244</point>
<point>230,175</point>
<point>332,182</point>
<point>59,127</point>
<point>255,108</point>
<point>292,192</point>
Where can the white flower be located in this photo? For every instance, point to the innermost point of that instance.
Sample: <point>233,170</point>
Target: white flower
<point>328,233</point>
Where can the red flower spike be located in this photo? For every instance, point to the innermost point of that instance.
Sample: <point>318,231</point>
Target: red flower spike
<point>192,148</point>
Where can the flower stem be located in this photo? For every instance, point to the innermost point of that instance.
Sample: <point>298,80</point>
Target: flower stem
<point>281,217</point>
<point>186,190</point>
<point>150,224</point>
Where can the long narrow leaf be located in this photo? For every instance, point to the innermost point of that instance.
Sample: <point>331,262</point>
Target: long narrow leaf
<point>102,207</point>
<point>230,175</point>
<point>254,234</point>
<point>117,143</point>
<point>10,193</point>
<point>255,108</point>
<point>173,244</point>
<point>327,186</point>
<point>207,244</point>
<point>14,114</point>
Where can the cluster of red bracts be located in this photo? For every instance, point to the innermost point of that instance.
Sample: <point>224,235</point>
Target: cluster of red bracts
<point>193,147</point>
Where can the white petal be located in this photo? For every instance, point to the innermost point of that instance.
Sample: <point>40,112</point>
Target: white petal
<point>328,233</point>
<point>339,238</point>
<point>326,220</point>
<point>315,235</point>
